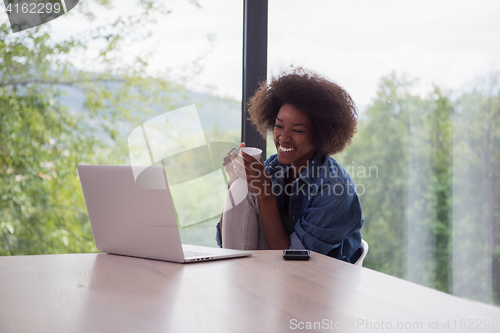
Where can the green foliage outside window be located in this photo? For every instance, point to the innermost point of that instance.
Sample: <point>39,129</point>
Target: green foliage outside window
<point>432,209</point>
<point>42,140</point>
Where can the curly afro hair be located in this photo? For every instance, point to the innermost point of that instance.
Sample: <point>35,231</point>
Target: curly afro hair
<point>330,108</point>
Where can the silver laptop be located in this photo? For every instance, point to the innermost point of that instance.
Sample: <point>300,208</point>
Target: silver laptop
<point>136,217</point>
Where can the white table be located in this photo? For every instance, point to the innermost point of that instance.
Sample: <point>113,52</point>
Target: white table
<point>263,293</point>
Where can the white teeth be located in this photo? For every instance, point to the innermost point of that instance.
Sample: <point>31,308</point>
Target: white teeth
<point>286,149</point>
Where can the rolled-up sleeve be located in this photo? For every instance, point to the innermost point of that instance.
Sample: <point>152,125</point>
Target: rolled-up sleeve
<point>333,215</point>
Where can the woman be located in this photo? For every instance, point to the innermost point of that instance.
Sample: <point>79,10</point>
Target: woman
<point>300,197</point>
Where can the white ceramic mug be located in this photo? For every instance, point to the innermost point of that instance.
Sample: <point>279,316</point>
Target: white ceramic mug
<point>254,152</point>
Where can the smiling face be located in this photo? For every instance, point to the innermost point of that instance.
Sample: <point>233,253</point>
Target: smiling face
<point>293,137</point>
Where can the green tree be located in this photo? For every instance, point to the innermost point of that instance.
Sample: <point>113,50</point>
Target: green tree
<point>441,129</point>
<point>432,209</point>
<point>476,194</point>
<point>378,163</point>
<point>42,140</point>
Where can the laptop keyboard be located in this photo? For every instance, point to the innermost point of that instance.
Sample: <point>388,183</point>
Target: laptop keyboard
<point>188,254</point>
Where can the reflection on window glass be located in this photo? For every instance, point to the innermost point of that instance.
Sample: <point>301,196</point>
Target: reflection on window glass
<point>74,89</point>
<point>426,80</point>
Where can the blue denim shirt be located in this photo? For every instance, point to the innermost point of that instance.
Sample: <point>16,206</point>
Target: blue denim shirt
<point>324,209</point>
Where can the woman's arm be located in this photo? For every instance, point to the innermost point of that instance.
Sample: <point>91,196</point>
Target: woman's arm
<point>333,215</point>
<point>276,235</point>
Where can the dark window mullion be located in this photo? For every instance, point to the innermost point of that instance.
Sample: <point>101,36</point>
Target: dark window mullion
<point>254,64</point>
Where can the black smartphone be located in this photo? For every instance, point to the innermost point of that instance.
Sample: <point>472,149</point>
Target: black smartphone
<point>296,254</point>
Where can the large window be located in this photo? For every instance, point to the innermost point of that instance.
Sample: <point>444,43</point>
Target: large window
<point>425,77</point>
<point>73,90</point>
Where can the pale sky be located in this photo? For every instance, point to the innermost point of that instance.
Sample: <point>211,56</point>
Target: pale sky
<point>354,43</point>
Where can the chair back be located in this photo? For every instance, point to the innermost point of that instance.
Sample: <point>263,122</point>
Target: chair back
<point>365,246</point>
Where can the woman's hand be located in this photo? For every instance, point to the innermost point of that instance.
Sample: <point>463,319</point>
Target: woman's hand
<point>228,165</point>
<point>254,172</point>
